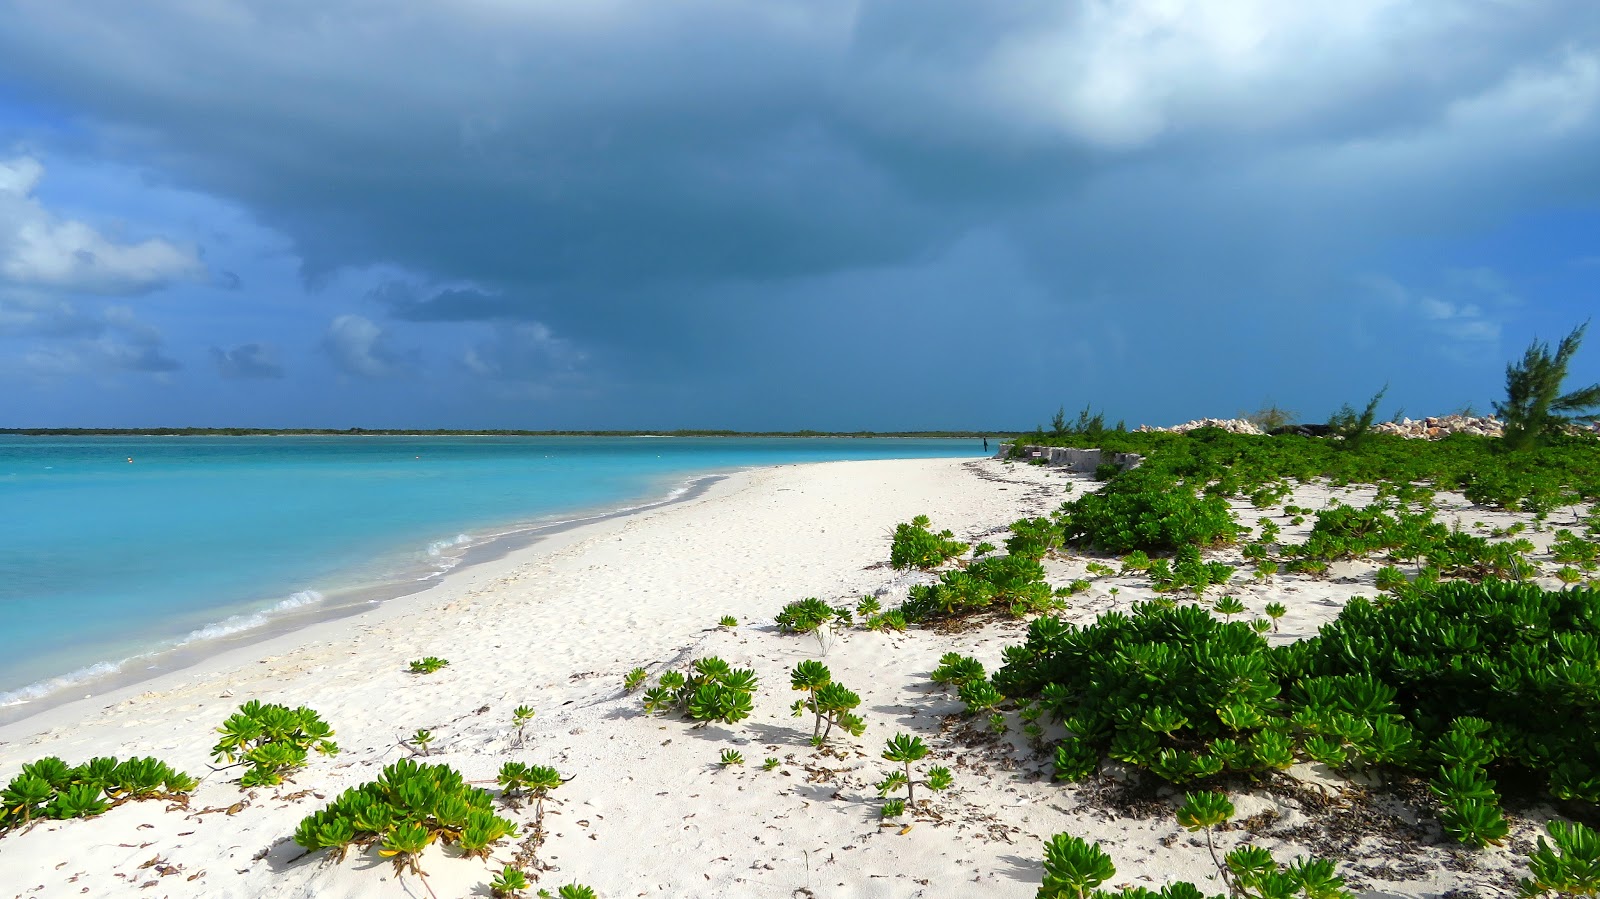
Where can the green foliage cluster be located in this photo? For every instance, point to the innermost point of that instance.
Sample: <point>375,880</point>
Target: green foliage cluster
<point>51,789</point>
<point>1147,509</point>
<point>957,670</point>
<point>1075,868</point>
<point>273,740</point>
<point>510,883</point>
<point>408,808</point>
<point>1453,680</point>
<point>915,546</point>
<point>807,616</point>
<point>1569,868</point>
<point>1562,469</point>
<point>1012,582</point>
<point>427,665</point>
<point>906,749</point>
<point>1188,571</point>
<point>1524,661</point>
<point>711,691</point>
<point>831,704</point>
<point>1170,689</point>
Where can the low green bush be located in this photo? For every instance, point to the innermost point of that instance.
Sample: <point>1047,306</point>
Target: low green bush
<point>409,807</point>
<point>711,691</point>
<point>830,703</point>
<point>273,740</point>
<point>1013,582</point>
<point>915,546</point>
<point>51,789</point>
<point>1143,510</point>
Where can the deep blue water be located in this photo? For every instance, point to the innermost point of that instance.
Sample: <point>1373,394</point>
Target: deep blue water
<point>102,560</point>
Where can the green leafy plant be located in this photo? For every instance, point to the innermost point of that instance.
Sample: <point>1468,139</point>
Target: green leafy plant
<point>1228,606</point>
<point>409,807</point>
<point>804,616</point>
<point>634,679</point>
<point>421,739</point>
<point>892,808</point>
<point>49,788</point>
<point>979,696</point>
<point>522,716</point>
<point>955,669</point>
<point>830,704</point>
<point>1205,812</point>
<point>868,606</point>
<point>575,891</point>
<point>905,750</point>
<point>915,546</point>
<point>1143,510</point>
<point>273,740</point>
<point>728,621</point>
<point>731,757</point>
<point>509,884</point>
<point>1074,868</point>
<point>771,764</point>
<point>427,665</point>
<point>891,620</point>
<point>713,691</point>
<point>1569,868</point>
<point>1014,582</point>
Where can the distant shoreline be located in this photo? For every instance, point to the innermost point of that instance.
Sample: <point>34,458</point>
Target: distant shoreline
<point>383,432</point>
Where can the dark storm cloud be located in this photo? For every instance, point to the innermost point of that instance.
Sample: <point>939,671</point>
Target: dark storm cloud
<point>663,185</point>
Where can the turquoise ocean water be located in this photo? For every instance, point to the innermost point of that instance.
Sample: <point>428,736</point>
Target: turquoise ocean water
<point>104,563</point>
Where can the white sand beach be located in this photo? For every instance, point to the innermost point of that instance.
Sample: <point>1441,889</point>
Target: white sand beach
<point>648,811</point>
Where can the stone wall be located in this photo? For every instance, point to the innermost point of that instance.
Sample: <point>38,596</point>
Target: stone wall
<point>1085,460</point>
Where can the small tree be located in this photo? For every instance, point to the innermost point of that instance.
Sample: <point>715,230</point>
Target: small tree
<point>1535,406</point>
<point>1354,426</point>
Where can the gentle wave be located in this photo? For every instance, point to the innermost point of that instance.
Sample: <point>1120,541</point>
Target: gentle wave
<point>45,687</point>
<point>437,547</point>
<point>227,627</point>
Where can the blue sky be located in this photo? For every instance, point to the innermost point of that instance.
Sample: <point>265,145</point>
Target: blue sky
<point>894,214</point>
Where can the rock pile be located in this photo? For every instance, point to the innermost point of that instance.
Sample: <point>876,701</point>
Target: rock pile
<point>1443,426</point>
<point>1231,425</point>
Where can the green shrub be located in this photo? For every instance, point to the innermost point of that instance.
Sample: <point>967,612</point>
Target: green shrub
<point>1013,582</point>
<point>1142,510</point>
<point>712,691</point>
<point>804,616</point>
<point>1569,868</point>
<point>50,788</point>
<point>1524,661</point>
<point>955,669</point>
<point>1075,868</point>
<point>830,703</point>
<point>273,740</point>
<point>1169,689</point>
<point>407,808</point>
<point>427,665</point>
<point>510,883</point>
<point>905,749</point>
<point>915,546</point>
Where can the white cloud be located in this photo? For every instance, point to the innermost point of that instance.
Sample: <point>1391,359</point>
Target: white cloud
<point>1463,322</point>
<point>41,249</point>
<point>527,352</point>
<point>360,347</point>
<point>81,342</point>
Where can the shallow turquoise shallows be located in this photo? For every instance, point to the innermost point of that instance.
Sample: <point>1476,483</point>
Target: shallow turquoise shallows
<point>103,560</point>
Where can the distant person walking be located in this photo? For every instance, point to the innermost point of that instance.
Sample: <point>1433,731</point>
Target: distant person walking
<point>986,444</point>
